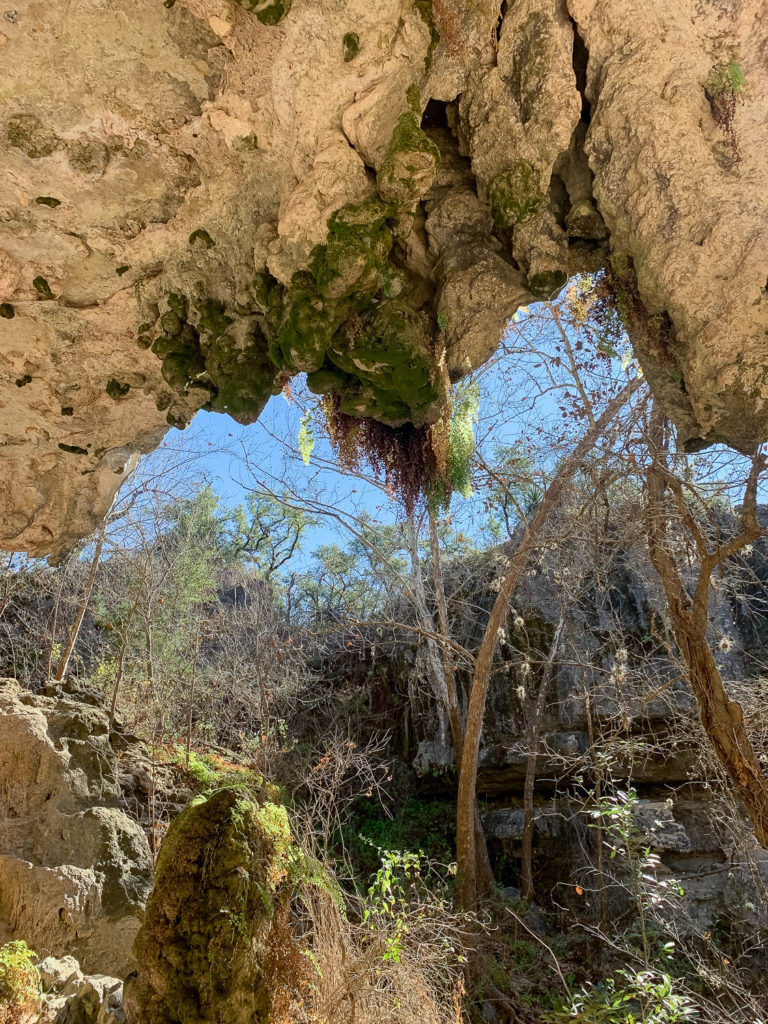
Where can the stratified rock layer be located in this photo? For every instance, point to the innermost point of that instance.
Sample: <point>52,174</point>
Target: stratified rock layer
<point>204,198</point>
<point>75,870</point>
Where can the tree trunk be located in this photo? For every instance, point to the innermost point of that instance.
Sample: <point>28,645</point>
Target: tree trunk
<point>534,739</point>
<point>465,834</point>
<point>73,633</point>
<point>722,718</point>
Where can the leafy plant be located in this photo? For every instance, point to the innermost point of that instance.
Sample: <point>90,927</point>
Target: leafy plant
<point>306,437</point>
<point>631,997</point>
<point>392,905</point>
<point>19,983</point>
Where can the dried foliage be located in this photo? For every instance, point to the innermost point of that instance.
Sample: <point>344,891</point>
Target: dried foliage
<point>403,456</point>
<point>369,974</point>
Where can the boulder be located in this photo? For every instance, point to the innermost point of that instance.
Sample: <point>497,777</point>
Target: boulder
<point>221,879</point>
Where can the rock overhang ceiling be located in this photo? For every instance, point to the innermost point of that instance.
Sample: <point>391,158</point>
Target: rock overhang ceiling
<point>204,198</point>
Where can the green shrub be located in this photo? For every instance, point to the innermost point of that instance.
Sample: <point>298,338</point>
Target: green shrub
<point>633,997</point>
<point>19,983</point>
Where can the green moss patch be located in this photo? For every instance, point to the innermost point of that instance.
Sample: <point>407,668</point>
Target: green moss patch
<point>351,46</point>
<point>269,12</point>
<point>515,195</point>
<point>410,164</point>
<point>48,201</point>
<point>201,235</point>
<point>7,312</point>
<point>73,449</point>
<point>21,382</point>
<point>31,136</point>
<point>116,390</point>
<point>42,287</point>
<point>424,7</point>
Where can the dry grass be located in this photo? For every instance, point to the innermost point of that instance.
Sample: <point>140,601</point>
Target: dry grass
<point>343,973</point>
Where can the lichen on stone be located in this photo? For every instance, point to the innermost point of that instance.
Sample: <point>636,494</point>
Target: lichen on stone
<point>88,156</point>
<point>514,195</point>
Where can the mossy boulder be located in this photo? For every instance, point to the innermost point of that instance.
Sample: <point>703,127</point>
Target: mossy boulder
<point>410,164</point>
<point>514,195</point>
<point>221,876</point>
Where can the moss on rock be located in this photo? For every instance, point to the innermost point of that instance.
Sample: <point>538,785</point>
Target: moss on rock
<point>514,195</point>
<point>222,872</point>
<point>42,287</point>
<point>351,46</point>
<point>27,133</point>
<point>355,255</point>
<point>87,155</point>
<point>269,12</point>
<point>116,390</point>
<point>410,164</point>
<point>392,360</point>
<point>243,375</point>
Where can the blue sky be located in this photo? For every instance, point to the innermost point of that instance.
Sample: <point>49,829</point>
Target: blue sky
<point>522,396</point>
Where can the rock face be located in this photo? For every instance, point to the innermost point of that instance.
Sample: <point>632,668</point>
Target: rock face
<point>219,880</point>
<point>203,198</point>
<point>75,870</point>
<point>72,998</point>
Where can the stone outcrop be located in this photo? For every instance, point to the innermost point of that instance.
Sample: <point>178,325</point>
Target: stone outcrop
<point>74,998</point>
<point>221,877</point>
<point>75,870</point>
<point>204,197</point>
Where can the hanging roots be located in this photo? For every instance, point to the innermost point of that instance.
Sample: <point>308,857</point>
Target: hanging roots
<point>403,456</point>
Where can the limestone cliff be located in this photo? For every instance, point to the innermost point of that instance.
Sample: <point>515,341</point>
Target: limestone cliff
<point>75,870</point>
<point>204,197</point>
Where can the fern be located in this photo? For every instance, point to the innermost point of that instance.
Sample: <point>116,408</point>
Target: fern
<point>306,437</point>
<point>461,438</point>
